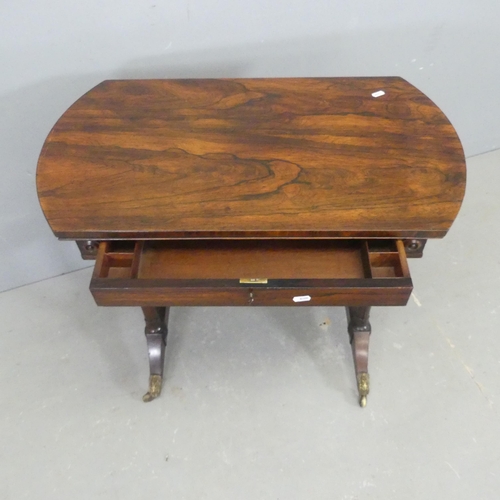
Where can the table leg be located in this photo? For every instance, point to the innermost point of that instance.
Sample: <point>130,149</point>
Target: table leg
<point>156,337</point>
<point>359,333</point>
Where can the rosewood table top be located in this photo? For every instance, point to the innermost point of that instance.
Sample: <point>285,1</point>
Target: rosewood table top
<point>244,158</point>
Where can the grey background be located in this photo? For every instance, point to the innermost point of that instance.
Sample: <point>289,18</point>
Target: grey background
<point>52,52</point>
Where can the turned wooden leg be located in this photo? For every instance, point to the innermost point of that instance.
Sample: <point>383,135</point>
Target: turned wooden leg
<point>359,333</point>
<point>156,337</point>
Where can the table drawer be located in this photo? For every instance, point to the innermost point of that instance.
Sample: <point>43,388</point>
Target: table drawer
<point>251,272</point>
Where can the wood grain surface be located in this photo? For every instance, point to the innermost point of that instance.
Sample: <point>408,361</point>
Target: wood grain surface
<point>243,158</point>
<point>270,259</point>
<point>337,292</point>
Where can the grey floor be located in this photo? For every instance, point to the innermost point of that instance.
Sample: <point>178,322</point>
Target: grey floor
<point>260,403</point>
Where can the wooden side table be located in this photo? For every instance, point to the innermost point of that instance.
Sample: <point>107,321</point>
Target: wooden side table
<point>284,192</point>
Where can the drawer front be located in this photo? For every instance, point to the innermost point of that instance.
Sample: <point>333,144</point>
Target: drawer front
<point>337,294</point>
<point>266,273</point>
<point>161,293</point>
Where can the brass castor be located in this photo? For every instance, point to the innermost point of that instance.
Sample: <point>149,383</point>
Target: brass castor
<point>155,382</point>
<point>363,388</point>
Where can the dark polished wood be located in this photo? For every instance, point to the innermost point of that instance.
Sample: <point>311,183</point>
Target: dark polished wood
<point>88,249</point>
<point>252,192</point>
<point>287,158</point>
<point>359,329</point>
<point>156,337</point>
<point>414,248</point>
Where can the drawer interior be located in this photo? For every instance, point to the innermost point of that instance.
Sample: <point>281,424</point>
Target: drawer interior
<point>261,259</point>
<point>385,259</point>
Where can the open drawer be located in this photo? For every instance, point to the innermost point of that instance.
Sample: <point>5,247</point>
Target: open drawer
<point>251,272</point>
